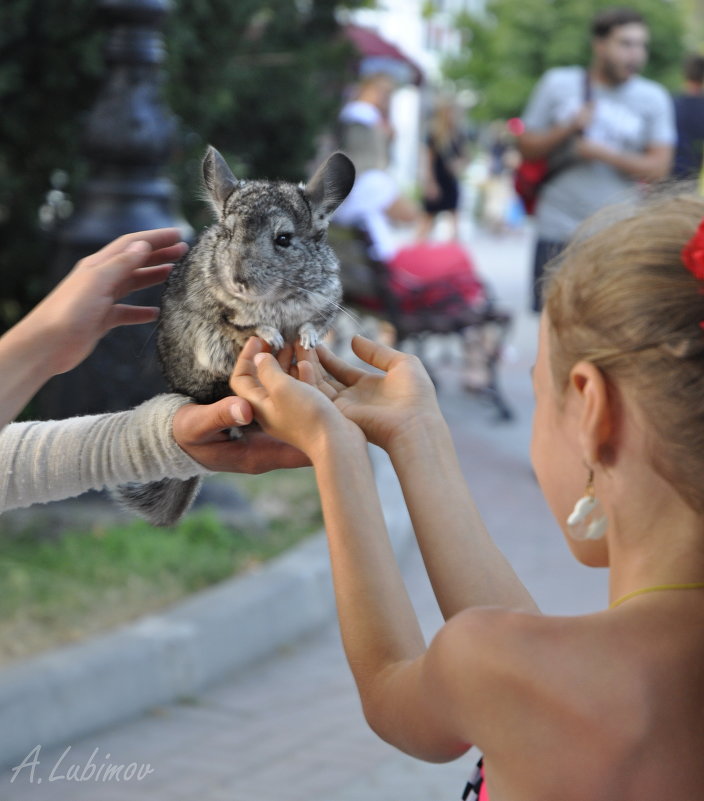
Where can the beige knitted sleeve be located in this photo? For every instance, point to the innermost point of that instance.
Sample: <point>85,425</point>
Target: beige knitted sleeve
<point>48,461</point>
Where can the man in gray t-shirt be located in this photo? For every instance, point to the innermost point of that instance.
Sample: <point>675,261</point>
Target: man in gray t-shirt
<point>604,130</point>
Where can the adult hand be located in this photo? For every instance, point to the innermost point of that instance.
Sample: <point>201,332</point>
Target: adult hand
<point>69,322</point>
<point>583,118</point>
<point>202,431</point>
<point>593,151</point>
<point>287,408</point>
<point>385,405</point>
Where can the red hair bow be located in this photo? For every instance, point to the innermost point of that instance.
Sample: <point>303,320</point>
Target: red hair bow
<point>693,253</point>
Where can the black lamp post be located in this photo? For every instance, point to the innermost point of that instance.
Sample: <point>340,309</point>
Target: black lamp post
<point>128,140</point>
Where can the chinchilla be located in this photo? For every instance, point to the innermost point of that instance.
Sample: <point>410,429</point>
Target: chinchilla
<point>264,269</point>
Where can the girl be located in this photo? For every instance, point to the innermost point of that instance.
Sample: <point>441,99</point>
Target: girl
<point>602,706</point>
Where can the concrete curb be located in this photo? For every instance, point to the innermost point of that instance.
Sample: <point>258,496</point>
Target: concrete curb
<point>66,694</point>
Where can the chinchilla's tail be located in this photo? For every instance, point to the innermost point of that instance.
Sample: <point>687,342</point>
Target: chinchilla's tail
<point>161,503</point>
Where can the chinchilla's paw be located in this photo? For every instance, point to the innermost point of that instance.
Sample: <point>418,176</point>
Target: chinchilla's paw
<point>309,336</point>
<point>272,336</point>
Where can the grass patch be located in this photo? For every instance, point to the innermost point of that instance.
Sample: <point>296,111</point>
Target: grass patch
<point>61,588</point>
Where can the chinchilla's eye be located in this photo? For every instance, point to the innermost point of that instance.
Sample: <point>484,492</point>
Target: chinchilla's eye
<point>283,240</point>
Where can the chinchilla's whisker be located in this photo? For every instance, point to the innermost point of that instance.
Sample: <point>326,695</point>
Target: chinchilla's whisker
<point>140,353</point>
<point>356,319</point>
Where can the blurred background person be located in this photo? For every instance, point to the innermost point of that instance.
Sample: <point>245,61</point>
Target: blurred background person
<point>689,117</point>
<point>443,159</point>
<point>365,132</point>
<point>612,127</point>
<point>501,209</point>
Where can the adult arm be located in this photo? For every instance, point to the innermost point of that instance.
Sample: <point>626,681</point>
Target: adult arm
<point>540,144</point>
<point>167,437</point>
<point>653,164</point>
<point>56,459</point>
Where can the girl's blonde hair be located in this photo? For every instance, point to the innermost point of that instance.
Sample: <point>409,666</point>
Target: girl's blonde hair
<point>621,298</point>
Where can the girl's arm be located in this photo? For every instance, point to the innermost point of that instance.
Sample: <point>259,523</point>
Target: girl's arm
<point>465,567</point>
<point>397,681</point>
<point>398,411</point>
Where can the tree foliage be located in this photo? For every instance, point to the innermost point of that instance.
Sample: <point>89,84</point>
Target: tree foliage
<point>258,79</point>
<point>509,46</point>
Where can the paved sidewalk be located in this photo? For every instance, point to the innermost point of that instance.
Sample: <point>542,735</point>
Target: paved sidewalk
<point>290,729</point>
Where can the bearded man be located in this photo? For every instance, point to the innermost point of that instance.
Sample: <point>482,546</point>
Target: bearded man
<point>605,130</point>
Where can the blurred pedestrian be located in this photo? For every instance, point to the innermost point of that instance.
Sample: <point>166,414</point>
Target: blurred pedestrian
<point>443,158</point>
<point>364,128</point>
<point>689,116</point>
<point>168,436</point>
<point>419,273</point>
<point>501,210</point>
<point>604,131</point>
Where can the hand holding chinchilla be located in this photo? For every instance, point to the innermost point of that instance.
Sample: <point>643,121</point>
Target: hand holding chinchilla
<point>264,269</point>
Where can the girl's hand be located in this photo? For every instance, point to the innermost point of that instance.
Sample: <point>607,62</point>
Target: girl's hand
<point>385,406</point>
<point>288,408</point>
<point>68,323</point>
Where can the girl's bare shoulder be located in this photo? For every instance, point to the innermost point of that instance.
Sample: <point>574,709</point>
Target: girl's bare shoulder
<point>507,668</point>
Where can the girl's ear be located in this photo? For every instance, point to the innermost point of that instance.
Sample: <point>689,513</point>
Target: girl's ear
<point>595,410</point>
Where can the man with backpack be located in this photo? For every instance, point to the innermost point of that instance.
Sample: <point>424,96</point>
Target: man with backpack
<point>603,131</point>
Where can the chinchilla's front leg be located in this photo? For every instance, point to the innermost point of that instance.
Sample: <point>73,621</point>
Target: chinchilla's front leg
<point>272,336</point>
<point>309,336</point>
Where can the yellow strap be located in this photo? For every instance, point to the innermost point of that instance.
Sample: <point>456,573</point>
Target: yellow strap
<point>697,585</point>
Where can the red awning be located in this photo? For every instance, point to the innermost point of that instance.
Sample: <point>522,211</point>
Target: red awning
<point>376,51</point>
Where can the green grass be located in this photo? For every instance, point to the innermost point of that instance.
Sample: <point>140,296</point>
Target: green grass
<point>62,588</point>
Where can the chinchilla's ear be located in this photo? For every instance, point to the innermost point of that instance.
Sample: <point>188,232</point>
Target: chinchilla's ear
<point>330,185</point>
<point>218,178</point>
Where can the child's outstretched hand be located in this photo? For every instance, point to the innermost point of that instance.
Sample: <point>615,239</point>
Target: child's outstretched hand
<point>82,308</point>
<point>384,405</point>
<point>65,327</point>
<point>288,409</point>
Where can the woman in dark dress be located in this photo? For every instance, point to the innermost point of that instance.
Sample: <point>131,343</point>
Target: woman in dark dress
<point>443,161</point>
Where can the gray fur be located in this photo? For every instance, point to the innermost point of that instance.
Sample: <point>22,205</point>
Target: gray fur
<point>263,269</point>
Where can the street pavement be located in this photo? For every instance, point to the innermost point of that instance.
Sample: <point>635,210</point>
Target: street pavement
<point>291,728</point>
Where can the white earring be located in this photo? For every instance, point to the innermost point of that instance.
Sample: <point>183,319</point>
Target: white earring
<point>586,522</point>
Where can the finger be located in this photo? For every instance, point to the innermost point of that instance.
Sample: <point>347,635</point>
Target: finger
<point>168,254</point>
<point>285,357</point>
<point>245,362</point>
<point>244,380</point>
<point>144,277</point>
<point>377,355</point>
<point>123,314</point>
<point>269,370</point>
<point>120,267</point>
<point>209,422</point>
<point>155,239</point>
<point>308,374</point>
<point>322,375</point>
<point>338,368</point>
